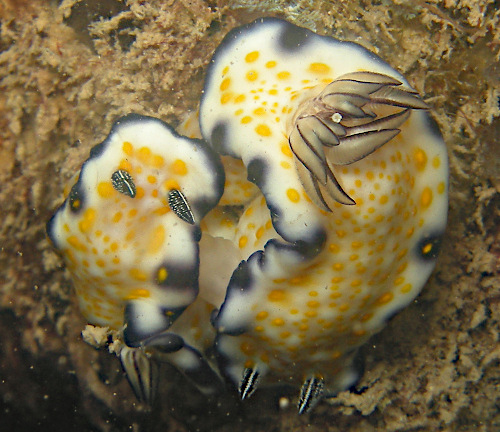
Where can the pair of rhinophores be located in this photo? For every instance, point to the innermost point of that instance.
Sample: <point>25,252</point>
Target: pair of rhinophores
<point>268,252</point>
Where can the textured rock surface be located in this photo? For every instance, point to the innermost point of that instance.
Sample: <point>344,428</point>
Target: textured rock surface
<point>68,69</point>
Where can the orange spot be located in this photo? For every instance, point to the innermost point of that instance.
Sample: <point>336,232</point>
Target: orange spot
<point>128,148</point>
<point>261,316</point>
<point>179,167</point>
<point>138,293</point>
<point>224,85</point>
<point>138,275</point>
<point>270,64</point>
<point>105,190</point>
<point>319,68</point>
<point>263,130</point>
<point>283,75</point>
<point>293,195</point>
<point>420,158</point>
<point>252,75</point>
<point>385,298</point>
<point>276,295</point>
<point>426,197</point>
<point>252,56</point>
<point>144,155</point>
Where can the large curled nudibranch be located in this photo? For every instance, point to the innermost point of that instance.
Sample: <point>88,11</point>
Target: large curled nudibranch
<point>129,233</point>
<point>353,174</point>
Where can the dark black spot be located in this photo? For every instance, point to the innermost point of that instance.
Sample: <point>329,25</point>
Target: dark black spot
<point>293,38</point>
<point>218,138</point>
<point>257,170</point>
<point>98,149</point>
<point>76,198</point>
<point>179,278</point>
<point>165,342</point>
<point>428,247</point>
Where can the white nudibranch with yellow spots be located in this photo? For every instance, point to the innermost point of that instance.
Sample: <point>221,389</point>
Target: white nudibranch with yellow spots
<point>354,177</point>
<point>129,233</point>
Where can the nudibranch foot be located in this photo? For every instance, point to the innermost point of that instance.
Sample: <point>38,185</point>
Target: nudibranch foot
<point>142,373</point>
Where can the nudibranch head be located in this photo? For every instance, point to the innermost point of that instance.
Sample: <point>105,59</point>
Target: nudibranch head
<point>354,177</point>
<point>129,228</point>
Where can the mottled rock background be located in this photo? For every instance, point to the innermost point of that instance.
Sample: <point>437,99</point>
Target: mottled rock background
<point>68,69</point>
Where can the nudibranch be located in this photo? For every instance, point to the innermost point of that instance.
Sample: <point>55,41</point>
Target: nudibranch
<point>129,234</point>
<point>353,176</point>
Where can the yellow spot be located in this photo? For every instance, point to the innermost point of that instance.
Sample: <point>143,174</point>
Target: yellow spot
<point>319,68</point>
<point>117,217</point>
<point>259,328</point>
<point>144,155</point>
<point>138,293</point>
<point>334,248</point>
<point>273,92</point>
<point>427,248</point>
<point>259,233</point>
<point>247,348</point>
<point>100,263</point>
<point>246,119</point>
<point>105,190</point>
<point>276,295</point>
<point>157,161</point>
<point>138,275</point>
<point>441,187</point>
<point>384,199</point>
<point>259,111</point>
<point>240,98</point>
<point>156,240</point>
<point>88,220</point>
<point>252,75</point>
<point>370,176</point>
<point>311,314</point>
<point>344,308</point>
<point>263,130</point>
<point>338,266</point>
<point>179,167</point>
<point>285,164</point>
<point>436,162</point>
<point>385,298</point>
<point>278,322</point>
<point>426,197</point>
<point>225,98</point>
<point>313,304</point>
<point>224,85</point>
<point>270,64</point>
<point>262,315</point>
<point>243,241</point>
<point>285,149</point>
<point>139,193</point>
<point>252,56</point>
<point>358,183</point>
<point>285,334</point>
<point>293,195</point>
<point>406,288</point>
<point>128,148</point>
<point>283,75</point>
<point>420,158</point>
<point>225,70</point>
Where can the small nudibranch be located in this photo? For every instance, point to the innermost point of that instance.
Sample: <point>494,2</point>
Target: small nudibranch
<point>354,180</point>
<point>129,229</point>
